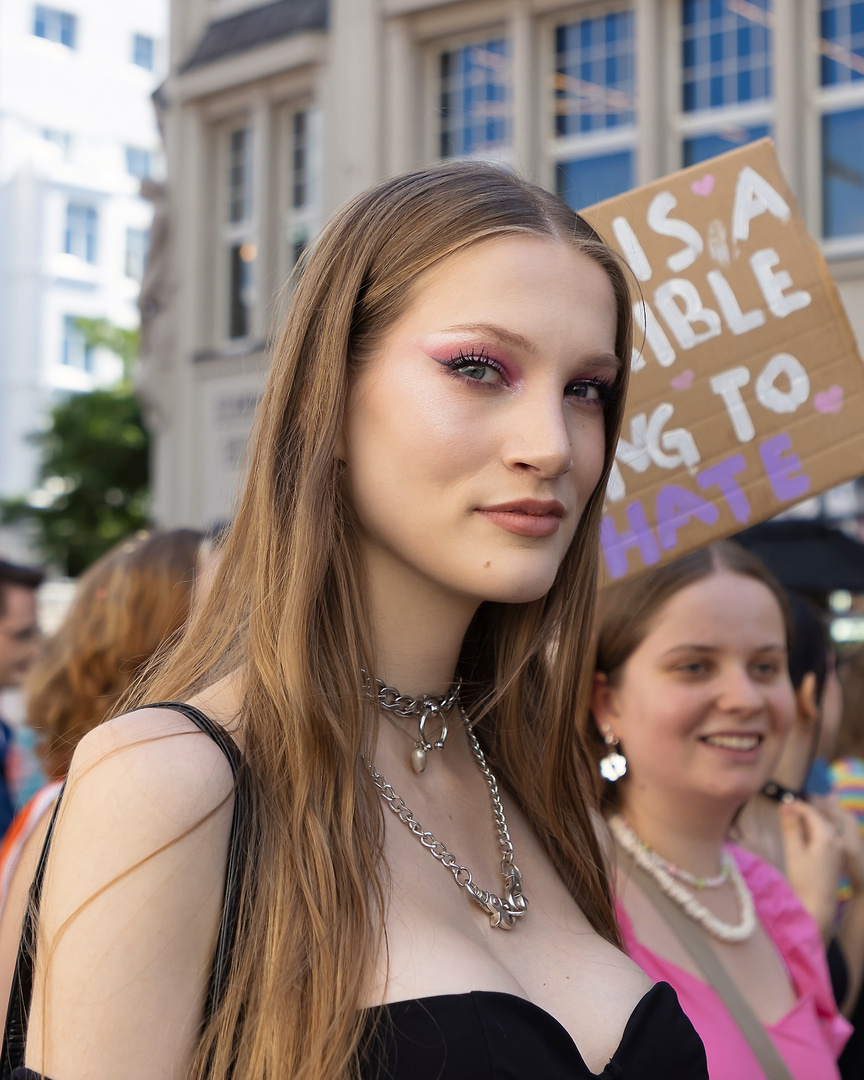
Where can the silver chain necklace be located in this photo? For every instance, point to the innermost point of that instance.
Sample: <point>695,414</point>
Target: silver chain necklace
<point>502,911</point>
<point>421,708</point>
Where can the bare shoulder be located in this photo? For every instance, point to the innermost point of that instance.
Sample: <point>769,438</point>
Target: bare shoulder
<point>132,900</point>
<point>152,759</point>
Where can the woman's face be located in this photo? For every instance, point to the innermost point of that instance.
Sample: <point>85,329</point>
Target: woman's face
<point>474,434</point>
<point>703,705</point>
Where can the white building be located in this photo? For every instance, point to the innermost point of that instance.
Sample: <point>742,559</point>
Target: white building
<point>275,113</point>
<point>78,133</point>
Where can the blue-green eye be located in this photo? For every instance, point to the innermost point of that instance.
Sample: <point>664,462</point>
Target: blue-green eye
<point>593,391</point>
<point>477,372</point>
<point>477,368</point>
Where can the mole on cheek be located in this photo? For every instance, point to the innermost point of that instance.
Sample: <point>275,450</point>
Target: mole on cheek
<point>486,565</point>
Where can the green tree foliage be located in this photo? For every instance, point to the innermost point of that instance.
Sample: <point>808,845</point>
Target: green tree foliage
<point>93,467</point>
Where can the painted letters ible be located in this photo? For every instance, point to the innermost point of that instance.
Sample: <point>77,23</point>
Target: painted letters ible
<point>747,390</point>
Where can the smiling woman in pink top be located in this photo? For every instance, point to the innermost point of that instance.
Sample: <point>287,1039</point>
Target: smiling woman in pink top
<point>691,704</point>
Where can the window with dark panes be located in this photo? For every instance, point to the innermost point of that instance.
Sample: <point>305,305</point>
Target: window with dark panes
<point>54,25</point>
<point>143,51</point>
<point>595,107</point>
<point>474,99</point>
<point>841,70</point>
<point>80,233</point>
<point>726,75</point>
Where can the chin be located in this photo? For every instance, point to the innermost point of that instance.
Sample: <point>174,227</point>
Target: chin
<point>516,589</point>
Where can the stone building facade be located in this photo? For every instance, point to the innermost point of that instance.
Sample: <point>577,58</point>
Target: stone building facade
<point>274,114</point>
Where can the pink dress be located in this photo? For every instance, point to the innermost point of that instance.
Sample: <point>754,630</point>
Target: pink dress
<point>810,1036</point>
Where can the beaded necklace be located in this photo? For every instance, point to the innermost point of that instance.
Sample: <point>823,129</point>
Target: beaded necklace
<point>670,878</point>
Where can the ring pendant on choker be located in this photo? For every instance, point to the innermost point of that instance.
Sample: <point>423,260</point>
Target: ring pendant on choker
<point>422,709</point>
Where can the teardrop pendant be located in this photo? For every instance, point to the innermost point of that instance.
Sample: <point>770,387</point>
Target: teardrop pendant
<point>418,759</point>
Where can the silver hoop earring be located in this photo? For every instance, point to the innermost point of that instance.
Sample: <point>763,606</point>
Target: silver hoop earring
<point>613,765</point>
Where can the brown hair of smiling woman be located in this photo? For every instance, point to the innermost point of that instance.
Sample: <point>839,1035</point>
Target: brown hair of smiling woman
<point>287,608</point>
<point>625,615</point>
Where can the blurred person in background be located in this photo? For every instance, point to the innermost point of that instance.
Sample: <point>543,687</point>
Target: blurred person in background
<point>692,703</point>
<point>127,604</point>
<point>847,785</point>
<point>847,754</point>
<point>19,649</point>
<point>804,834</point>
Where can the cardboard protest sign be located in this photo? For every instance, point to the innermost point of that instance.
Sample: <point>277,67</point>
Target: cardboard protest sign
<point>747,390</point>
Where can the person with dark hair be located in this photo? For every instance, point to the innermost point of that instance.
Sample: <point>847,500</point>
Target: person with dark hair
<point>847,785</point>
<point>19,626</point>
<point>806,836</point>
<point>19,649</point>
<point>692,703</point>
<point>397,633</point>
<point>809,838</point>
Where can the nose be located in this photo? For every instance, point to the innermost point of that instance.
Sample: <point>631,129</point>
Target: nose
<point>539,438</point>
<point>739,694</point>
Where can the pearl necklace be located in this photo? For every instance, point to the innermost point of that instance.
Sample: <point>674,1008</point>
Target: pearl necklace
<point>669,877</point>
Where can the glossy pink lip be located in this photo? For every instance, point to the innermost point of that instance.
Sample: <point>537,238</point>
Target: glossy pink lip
<point>526,517</point>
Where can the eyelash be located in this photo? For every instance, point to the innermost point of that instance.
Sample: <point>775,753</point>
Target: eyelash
<point>762,668</point>
<point>607,392</point>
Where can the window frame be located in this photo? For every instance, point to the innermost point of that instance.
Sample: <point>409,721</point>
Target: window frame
<point>136,38</point>
<point>146,158</point>
<point>142,236</point>
<point>300,222</point>
<point>235,234</point>
<point>434,48</point>
<point>559,149</point>
<point>711,121</point>
<point>89,231</point>
<point>63,20</point>
<point>88,352</point>
<point>829,100</point>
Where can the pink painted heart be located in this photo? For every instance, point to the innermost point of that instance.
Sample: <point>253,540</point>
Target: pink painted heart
<point>683,381</point>
<point>704,186</point>
<point>830,400</point>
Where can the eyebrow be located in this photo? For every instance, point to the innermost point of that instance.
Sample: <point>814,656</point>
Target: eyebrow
<point>519,341</point>
<point>509,337</point>
<point>692,647</point>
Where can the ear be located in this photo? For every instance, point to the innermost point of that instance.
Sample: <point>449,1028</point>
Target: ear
<point>603,704</point>
<point>805,695</point>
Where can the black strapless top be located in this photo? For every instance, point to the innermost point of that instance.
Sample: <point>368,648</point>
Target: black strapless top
<point>485,1035</point>
<point>481,1035</point>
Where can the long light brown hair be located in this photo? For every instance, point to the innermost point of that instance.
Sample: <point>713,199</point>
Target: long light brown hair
<point>287,610</point>
<point>126,605</point>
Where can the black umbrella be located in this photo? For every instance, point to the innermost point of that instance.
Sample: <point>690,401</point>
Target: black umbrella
<point>807,556</point>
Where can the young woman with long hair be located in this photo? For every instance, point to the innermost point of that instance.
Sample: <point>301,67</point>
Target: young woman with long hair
<point>131,601</point>
<point>692,702</point>
<point>403,605</point>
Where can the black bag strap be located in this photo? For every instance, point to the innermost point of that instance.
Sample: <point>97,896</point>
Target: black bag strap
<point>20,998</point>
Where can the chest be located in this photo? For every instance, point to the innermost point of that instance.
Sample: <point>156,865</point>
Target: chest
<point>755,965</point>
<point>439,941</point>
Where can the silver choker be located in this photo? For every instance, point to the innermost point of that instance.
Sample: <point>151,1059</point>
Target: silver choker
<point>422,709</point>
<point>503,911</point>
